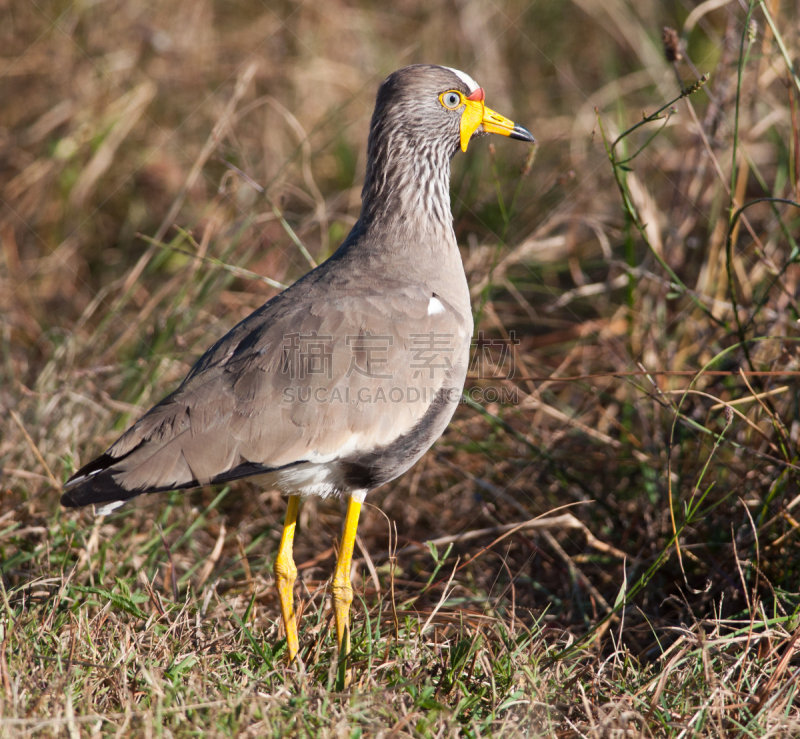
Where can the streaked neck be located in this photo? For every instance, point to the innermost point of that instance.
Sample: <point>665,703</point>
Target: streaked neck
<point>407,187</point>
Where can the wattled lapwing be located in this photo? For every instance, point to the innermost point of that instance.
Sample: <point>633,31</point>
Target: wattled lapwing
<point>341,382</point>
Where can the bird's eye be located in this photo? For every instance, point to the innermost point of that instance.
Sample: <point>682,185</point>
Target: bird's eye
<point>451,100</point>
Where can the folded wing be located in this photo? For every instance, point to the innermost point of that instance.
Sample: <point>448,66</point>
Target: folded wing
<point>299,381</point>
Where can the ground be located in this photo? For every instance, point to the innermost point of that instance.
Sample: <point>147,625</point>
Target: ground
<point>605,541</point>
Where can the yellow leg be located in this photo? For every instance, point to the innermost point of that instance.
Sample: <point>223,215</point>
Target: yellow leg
<point>342,590</point>
<point>286,574</point>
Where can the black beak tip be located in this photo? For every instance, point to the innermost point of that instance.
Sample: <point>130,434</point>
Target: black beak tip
<point>522,134</point>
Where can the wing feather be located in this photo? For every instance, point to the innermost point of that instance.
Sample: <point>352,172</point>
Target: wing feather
<point>259,399</point>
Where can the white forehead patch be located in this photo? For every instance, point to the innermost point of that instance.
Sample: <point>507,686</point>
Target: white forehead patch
<point>465,78</point>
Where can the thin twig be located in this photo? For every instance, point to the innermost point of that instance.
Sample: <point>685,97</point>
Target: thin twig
<point>35,449</point>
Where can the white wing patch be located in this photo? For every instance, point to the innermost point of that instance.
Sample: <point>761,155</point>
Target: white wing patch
<point>465,78</point>
<point>435,307</point>
<point>109,507</point>
<point>79,480</point>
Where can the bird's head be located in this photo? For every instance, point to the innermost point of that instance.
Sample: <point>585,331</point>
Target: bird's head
<point>423,115</point>
<point>431,105</point>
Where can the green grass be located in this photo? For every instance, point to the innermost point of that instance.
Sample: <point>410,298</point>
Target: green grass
<point>121,655</point>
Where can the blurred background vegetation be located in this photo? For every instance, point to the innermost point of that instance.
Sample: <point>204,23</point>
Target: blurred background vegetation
<point>135,140</point>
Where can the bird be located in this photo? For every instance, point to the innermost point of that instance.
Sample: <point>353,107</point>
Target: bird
<point>341,382</point>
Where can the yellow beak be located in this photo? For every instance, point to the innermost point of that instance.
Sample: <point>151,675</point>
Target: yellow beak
<point>477,116</point>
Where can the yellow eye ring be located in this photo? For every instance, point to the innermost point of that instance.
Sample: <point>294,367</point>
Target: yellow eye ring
<point>452,99</point>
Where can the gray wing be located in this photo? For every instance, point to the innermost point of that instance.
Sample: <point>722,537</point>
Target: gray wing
<point>325,377</point>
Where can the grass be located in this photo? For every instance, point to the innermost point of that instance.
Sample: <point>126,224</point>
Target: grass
<point>613,509</point>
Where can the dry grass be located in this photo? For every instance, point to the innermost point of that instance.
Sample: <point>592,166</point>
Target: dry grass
<point>655,380</point>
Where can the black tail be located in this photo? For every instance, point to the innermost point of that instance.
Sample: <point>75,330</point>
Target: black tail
<point>95,483</point>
